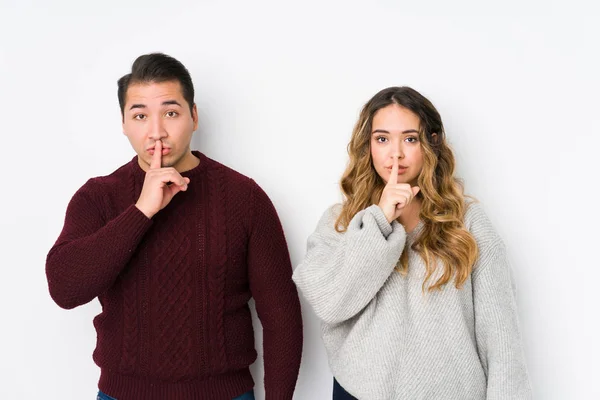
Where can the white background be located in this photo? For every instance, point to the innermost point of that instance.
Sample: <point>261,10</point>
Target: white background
<point>279,87</point>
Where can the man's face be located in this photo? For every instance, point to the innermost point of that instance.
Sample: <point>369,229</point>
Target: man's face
<point>157,111</point>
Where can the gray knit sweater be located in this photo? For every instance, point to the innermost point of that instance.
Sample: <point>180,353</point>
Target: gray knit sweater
<point>387,340</point>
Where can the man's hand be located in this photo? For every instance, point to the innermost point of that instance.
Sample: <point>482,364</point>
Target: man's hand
<point>160,185</point>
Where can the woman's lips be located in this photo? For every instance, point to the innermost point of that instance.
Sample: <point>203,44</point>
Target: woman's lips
<point>401,170</point>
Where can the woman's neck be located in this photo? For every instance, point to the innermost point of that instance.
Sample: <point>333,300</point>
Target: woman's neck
<point>410,216</point>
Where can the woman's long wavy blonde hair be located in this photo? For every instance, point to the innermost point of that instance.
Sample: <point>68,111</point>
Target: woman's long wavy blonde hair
<point>444,237</point>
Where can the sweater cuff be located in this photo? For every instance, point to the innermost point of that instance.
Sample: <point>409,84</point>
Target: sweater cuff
<point>384,226</point>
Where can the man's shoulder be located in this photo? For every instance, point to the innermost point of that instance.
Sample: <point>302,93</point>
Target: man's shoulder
<point>240,189</point>
<point>230,177</point>
<point>106,185</point>
<point>120,176</point>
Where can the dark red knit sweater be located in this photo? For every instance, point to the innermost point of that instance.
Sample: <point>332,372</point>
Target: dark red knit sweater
<point>174,290</point>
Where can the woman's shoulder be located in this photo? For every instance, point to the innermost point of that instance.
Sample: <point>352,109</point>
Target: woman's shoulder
<point>333,211</point>
<point>479,224</point>
<point>329,217</point>
<point>474,213</point>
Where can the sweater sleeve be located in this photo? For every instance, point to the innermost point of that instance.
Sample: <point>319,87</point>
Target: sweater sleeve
<point>342,272</point>
<point>276,298</point>
<point>496,319</point>
<point>91,252</point>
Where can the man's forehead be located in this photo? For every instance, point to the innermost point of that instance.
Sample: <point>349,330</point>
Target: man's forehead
<point>153,92</point>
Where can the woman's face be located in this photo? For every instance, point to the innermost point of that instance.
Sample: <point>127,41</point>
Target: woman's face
<point>395,134</point>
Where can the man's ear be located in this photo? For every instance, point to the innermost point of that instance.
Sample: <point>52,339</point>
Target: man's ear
<point>195,116</point>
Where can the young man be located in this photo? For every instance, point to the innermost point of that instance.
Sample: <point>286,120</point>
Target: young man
<point>174,245</point>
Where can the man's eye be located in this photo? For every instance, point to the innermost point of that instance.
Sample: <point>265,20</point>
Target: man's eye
<point>139,116</point>
<point>172,114</point>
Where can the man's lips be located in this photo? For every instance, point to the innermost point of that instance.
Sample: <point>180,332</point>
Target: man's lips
<point>165,150</point>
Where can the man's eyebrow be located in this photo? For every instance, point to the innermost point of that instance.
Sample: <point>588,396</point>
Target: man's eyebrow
<point>164,103</point>
<point>403,132</point>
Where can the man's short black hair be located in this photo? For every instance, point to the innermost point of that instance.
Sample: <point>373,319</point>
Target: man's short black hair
<point>157,67</point>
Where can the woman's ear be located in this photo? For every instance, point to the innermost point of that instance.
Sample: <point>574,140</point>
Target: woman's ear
<point>435,138</point>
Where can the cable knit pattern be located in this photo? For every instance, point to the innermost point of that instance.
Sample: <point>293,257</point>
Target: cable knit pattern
<point>131,333</point>
<point>201,276</point>
<point>174,290</point>
<point>174,312</point>
<point>218,258</point>
<point>387,340</point>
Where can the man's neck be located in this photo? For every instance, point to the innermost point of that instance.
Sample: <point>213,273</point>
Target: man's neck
<point>189,162</point>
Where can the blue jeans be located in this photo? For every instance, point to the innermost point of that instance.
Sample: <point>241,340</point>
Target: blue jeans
<point>339,393</point>
<point>246,396</point>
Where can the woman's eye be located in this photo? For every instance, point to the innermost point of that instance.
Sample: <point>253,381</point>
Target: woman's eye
<point>412,139</point>
<point>381,139</point>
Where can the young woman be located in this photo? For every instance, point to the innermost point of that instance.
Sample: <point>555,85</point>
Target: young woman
<point>409,278</point>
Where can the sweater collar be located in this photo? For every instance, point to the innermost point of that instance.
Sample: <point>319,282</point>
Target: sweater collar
<point>414,234</point>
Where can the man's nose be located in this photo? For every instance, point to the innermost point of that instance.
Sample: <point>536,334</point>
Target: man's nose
<point>157,130</point>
